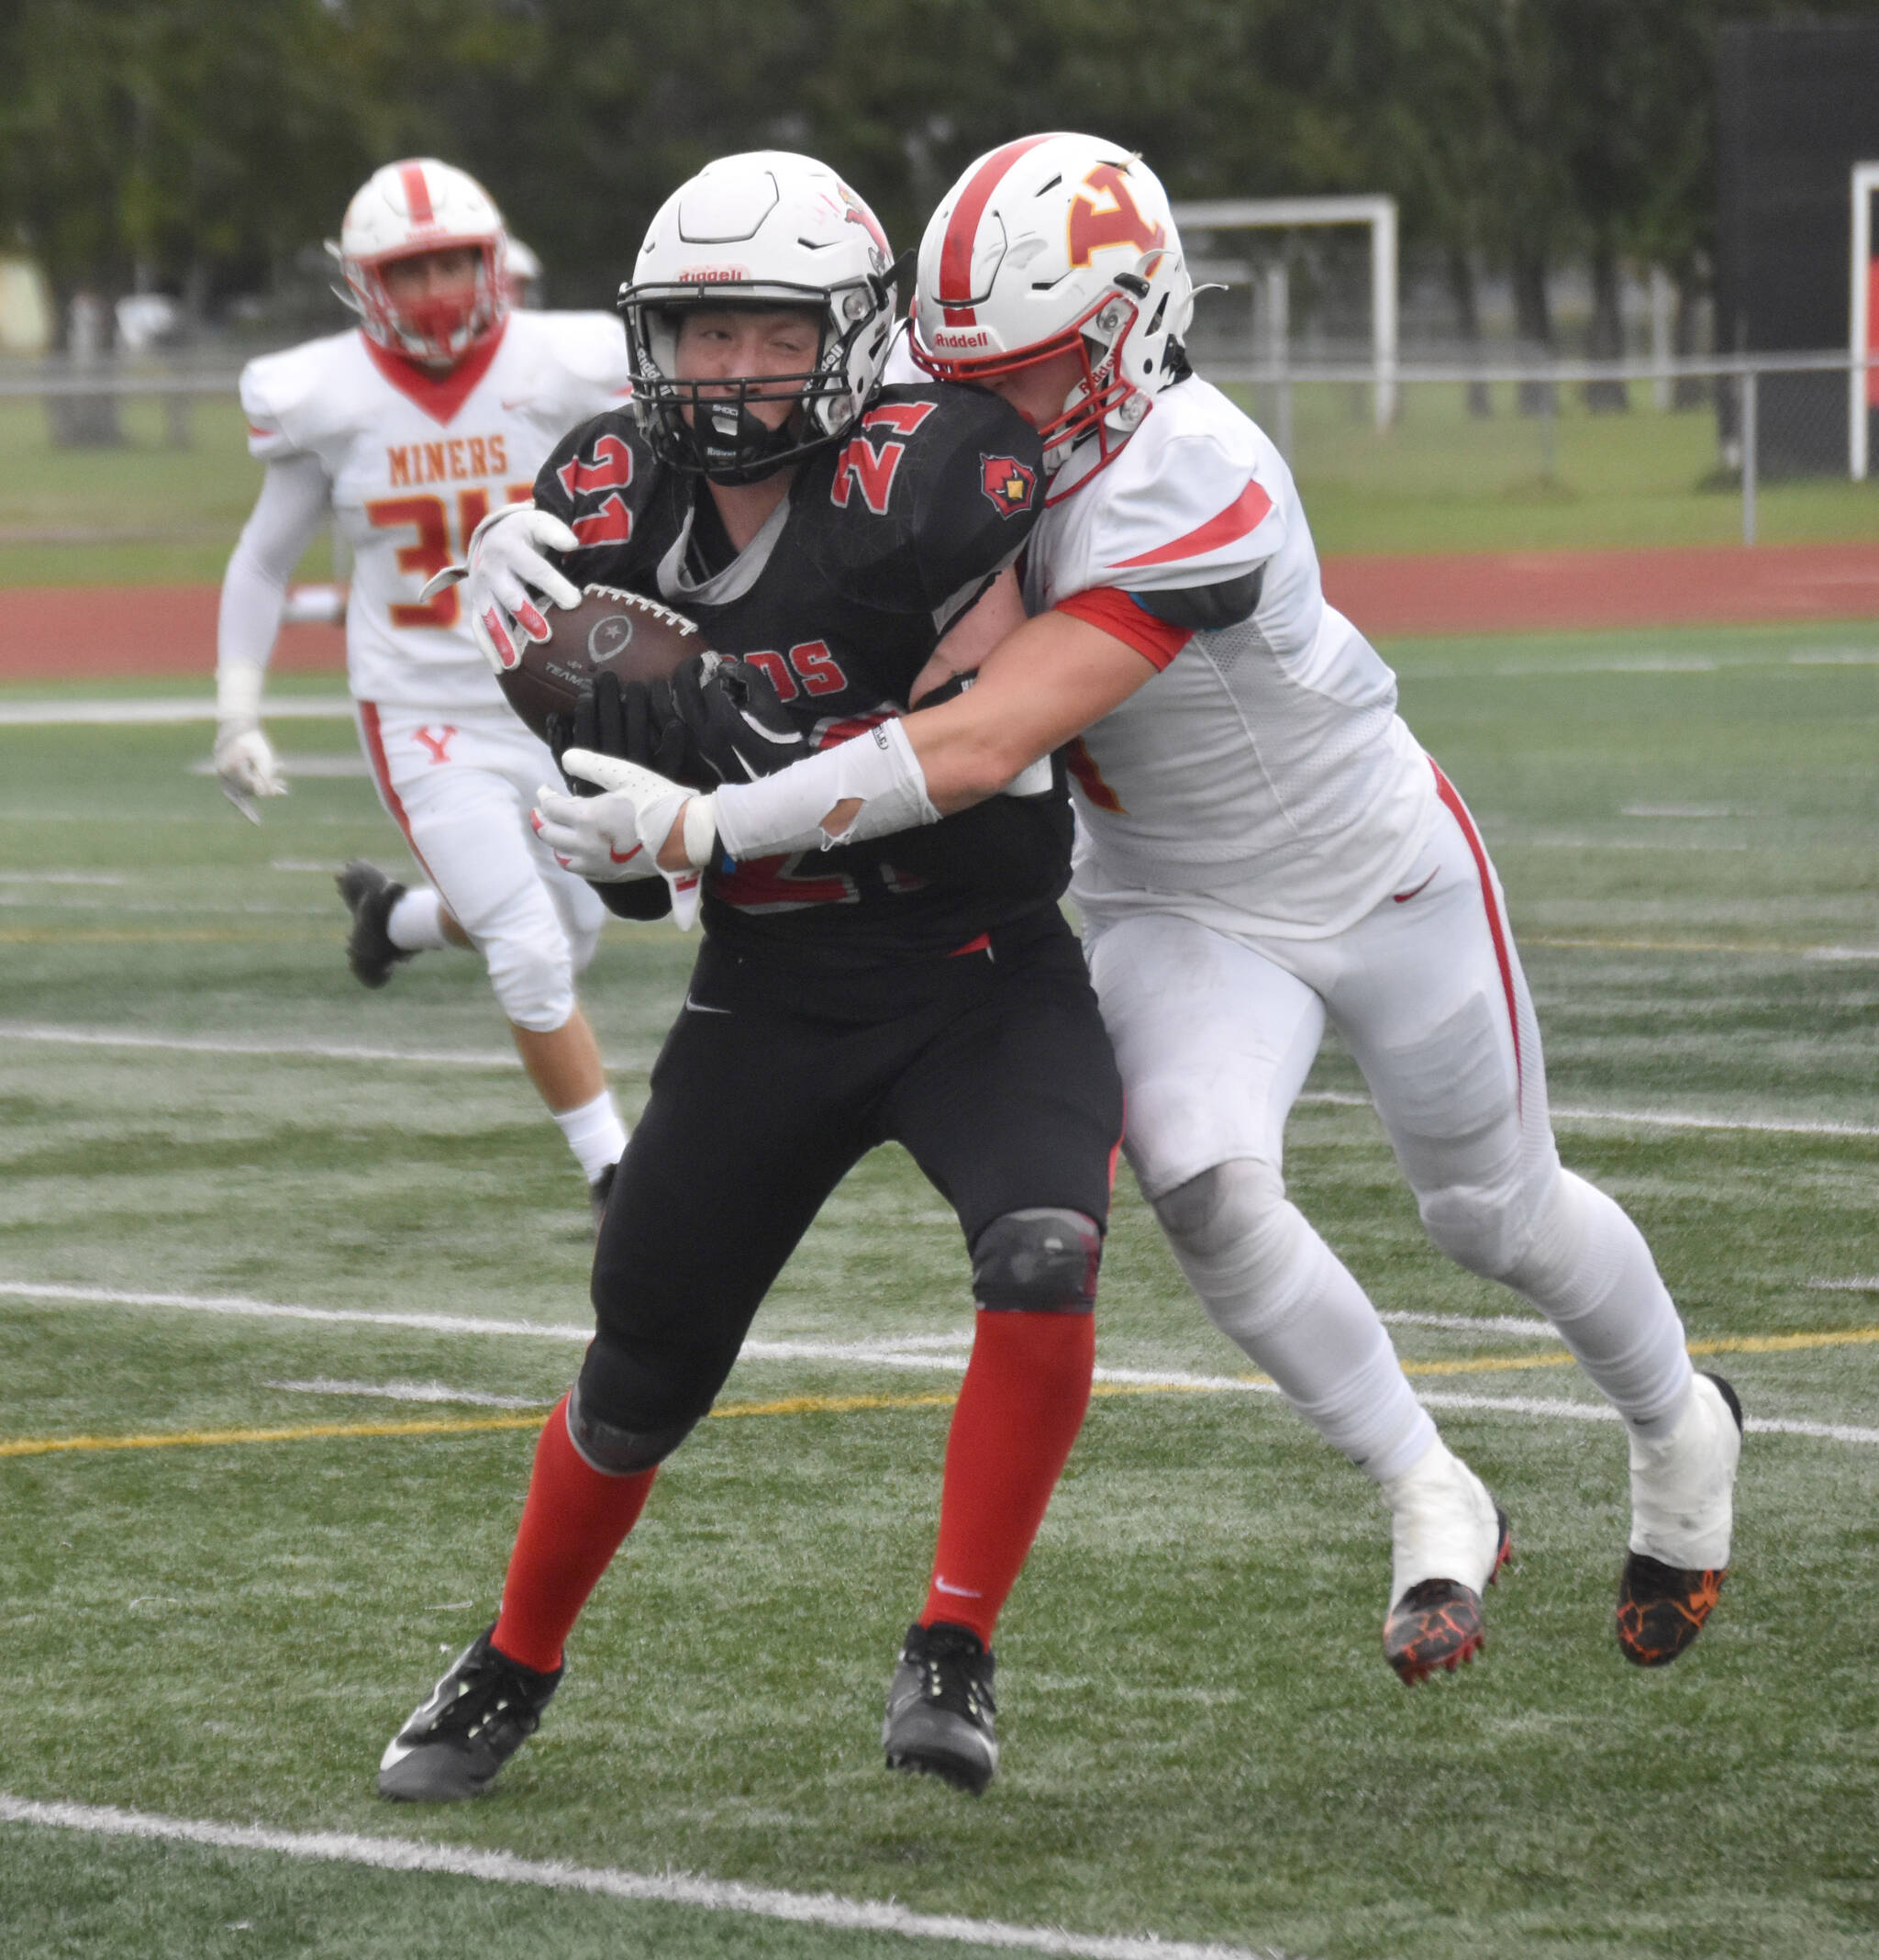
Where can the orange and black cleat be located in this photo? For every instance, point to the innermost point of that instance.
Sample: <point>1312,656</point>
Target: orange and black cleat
<point>1437,1624</point>
<point>1662,1608</point>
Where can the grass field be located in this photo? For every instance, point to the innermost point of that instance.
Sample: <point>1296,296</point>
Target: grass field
<point>226,1575</point>
<point>1439,481</point>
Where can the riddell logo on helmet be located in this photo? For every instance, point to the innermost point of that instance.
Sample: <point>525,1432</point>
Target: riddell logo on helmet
<point>955,339</point>
<point>713,274</point>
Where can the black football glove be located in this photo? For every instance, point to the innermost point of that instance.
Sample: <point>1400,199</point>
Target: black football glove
<point>727,724</point>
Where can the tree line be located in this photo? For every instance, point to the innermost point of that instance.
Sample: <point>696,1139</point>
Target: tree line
<point>199,147</point>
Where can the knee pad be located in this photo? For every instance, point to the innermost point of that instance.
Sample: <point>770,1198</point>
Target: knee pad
<point>1245,1249</point>
<point>534,980</point>
<point>1042,1261</point>
<point>1223,1209</point>
<point>1492,1228</point>
<point>615,1448</point>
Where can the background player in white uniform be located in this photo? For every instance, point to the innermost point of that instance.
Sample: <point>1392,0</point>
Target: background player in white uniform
<point>1263,846</point>
<point>440,405</point>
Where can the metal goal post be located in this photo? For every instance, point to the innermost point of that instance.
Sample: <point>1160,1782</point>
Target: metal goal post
<point>1293,214</point>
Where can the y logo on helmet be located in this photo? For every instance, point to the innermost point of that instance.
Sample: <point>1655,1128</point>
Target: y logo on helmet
<point>1104,214</point>
<point>1009,482</point>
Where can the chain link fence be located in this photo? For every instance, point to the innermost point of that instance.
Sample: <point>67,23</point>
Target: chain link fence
<point>132,469</point>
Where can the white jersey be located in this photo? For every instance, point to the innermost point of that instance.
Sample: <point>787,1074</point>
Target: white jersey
<point>1262,783</point>
<point>414,462</point>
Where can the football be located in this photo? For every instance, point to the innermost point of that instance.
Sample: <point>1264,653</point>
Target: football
<point>609,632</point>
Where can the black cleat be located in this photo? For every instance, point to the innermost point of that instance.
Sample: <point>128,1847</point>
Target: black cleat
<point>1681,1500</point>
<point>1437,1624</point>
<point>600,1191</point>
<point>940,1707</point>
<point>474,1721</point>
<point>370,897</point>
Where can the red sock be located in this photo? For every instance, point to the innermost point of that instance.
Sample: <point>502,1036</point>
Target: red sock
<point>1022,1403</point>
<point>574,1522</point>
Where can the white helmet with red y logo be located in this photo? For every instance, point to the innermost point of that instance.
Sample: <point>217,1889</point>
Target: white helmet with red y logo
<point>763,229</point>
<point>1051,243</point>
<point>405,209</point>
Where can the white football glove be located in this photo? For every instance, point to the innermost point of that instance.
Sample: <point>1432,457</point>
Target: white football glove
<point>638,805</point>
<point>245,764</point>
<point>505,573</point>
<point>596,838</point>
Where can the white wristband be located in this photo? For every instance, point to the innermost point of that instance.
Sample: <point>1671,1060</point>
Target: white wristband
<point>700,831</point>
<point>238,691</point>
<point>783,812</point>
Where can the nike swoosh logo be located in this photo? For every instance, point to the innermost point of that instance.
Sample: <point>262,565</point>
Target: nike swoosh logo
<point>698,1006</point>
<point>1404,897</point>
<point>959,1592</point>
<point>522,401</point>
<point>629,856</point>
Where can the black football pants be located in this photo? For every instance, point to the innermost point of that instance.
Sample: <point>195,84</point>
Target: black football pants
<point>993,1069</point>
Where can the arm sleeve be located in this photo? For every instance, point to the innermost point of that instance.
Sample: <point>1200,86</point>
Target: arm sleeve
<point>294,496</point>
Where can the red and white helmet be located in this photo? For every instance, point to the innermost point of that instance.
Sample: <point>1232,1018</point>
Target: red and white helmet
<point>1048,243</point>
<point>422,205</point>
<point>764,228</point>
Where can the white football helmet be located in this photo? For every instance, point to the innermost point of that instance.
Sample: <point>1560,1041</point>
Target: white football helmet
<point>766,228</point>
<point>523,277</point>
<point>421,205</point>
<point>1050,243</point>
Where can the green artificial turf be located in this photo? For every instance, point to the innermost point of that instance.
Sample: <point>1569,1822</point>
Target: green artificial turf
<point>1202,1740</point>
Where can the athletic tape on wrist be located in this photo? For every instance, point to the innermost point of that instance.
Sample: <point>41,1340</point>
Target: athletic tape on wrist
<point>783,812</point>
<point>238,691</point>
<point>701,831</point>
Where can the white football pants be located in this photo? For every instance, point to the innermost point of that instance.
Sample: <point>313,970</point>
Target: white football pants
<point>1215,1036</point>
<point>460,789</point>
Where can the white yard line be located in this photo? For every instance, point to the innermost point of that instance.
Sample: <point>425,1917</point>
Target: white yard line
<point>889,1354</point>
<point>154,712</point>
<point>57,1036</point>
<point>409,1392</point>
<point>220,1045</point>
<point>671,1889</point>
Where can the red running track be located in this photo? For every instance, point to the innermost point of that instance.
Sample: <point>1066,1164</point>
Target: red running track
<point>60,632</point>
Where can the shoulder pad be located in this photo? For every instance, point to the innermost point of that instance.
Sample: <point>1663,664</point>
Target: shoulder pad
<point>285,396</point>
<point>599,478</point>
<point>940,485</point>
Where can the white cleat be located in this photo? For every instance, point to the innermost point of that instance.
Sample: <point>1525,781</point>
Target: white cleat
<point>1447,1540</point>
<point>1682,1514</point>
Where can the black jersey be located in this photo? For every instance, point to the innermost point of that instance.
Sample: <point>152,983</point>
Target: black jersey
<point>883,540</point>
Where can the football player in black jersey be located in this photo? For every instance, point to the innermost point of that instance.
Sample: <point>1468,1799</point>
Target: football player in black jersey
<point>833,534</point>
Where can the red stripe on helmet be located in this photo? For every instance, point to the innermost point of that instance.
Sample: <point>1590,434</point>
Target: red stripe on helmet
<point>417,194</point>
<point>962,229</point>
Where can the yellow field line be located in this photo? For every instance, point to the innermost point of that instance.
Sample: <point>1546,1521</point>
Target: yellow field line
<point>827,1405</point>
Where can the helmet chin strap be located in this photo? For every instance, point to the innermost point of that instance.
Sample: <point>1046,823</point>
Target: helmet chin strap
<point>730,445</point>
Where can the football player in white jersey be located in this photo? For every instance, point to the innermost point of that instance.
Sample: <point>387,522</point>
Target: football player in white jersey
<point>1263,847</point>
<point>440,405</point>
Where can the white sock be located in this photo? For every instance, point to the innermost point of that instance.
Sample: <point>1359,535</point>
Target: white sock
<point>594,1133</point>
<point>1591,1274</point>
<point>416,923</point>
<point>1277,1289</point>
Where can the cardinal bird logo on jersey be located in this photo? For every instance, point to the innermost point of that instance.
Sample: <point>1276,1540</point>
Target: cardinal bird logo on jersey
<point>1009,482</point>
<point>1104,213</point>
